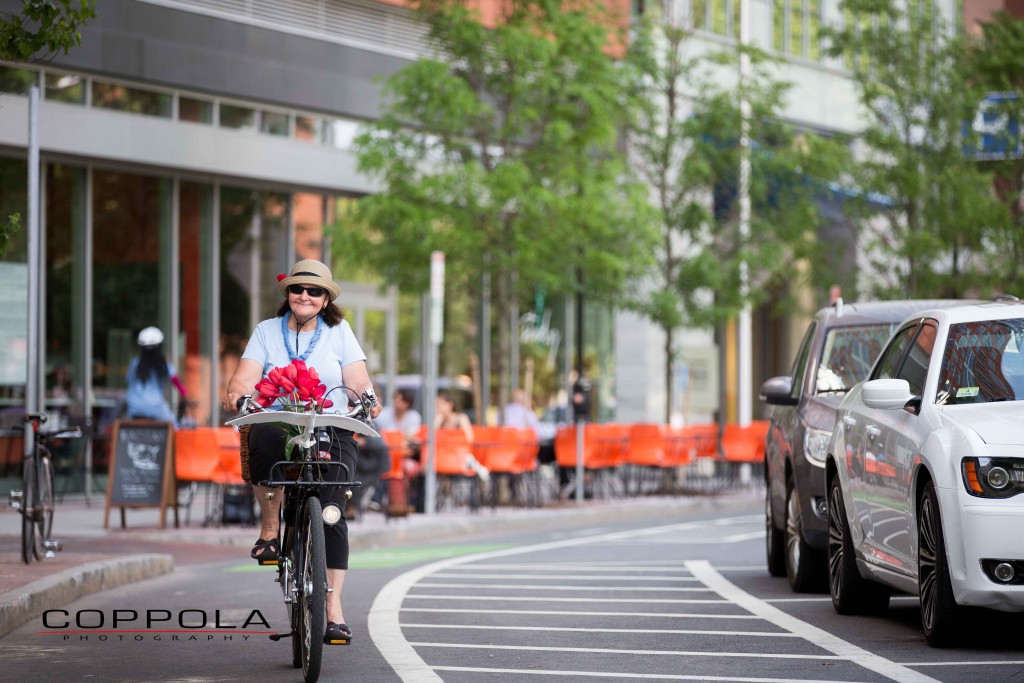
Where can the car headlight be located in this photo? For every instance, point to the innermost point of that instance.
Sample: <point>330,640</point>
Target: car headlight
<point>816,444</point>
<point>993,477</point>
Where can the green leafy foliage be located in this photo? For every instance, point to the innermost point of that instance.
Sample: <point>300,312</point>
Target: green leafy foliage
<point>502,153</point>
<point>927,209</point>
<point>686,147</point>
<point>8,228</point>
<point>996,64</point>
<point>43,28</point>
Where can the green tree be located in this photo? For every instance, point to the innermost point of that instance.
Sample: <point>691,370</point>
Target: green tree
<point>934,205</point>
<point>998,69</point>
<point>685,146</point>
<point>43,28</point>
<point>502,152</point>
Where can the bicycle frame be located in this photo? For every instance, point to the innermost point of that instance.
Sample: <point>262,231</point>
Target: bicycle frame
<point>302,566</point>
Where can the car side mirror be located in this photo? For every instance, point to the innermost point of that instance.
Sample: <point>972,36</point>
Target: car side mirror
<point>886,394</point>
<point>778,391</point>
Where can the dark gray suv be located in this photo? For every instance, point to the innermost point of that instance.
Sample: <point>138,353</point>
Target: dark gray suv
<point>837,351</point>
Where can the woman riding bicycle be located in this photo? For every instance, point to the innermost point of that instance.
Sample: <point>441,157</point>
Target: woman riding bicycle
<point>311,328</point>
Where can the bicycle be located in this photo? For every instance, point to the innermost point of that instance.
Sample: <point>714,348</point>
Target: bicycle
<point>302,568</point>
<point>35,498</point>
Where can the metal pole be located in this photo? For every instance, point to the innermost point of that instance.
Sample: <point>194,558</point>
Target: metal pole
<point>32,388</point>
<point>744,341</point>
<point>434,342</point>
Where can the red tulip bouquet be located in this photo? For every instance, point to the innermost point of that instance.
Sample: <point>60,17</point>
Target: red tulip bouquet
<point>298,389</point>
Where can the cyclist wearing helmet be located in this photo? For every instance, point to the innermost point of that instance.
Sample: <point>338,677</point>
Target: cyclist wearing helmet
<point>148,376</point>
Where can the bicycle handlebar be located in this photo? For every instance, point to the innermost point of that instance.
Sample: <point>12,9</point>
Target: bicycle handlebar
<point>307,420</point>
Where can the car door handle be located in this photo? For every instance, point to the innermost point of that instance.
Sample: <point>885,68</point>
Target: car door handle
<point>872,431</point>
<point>849,422</point>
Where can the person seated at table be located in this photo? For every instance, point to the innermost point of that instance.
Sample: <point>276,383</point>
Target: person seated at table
<point>447,417</point>
<point>518,414</point>
<point>401,415</point>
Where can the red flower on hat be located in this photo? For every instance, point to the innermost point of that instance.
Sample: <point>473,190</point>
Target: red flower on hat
<point>281,276</point>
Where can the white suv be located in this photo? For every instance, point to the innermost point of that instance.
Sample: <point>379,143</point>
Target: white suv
<point>925,470</point>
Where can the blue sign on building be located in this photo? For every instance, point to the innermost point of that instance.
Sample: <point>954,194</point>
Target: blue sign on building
<point>996,128</point>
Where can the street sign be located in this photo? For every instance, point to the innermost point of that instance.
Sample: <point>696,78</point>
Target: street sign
<point>997,128</point>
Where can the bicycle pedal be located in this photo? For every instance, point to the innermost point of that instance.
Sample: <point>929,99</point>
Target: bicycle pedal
<point>268,563</point>
<point>16,498</point>
<point>51,545</point>
<point>337,641</point>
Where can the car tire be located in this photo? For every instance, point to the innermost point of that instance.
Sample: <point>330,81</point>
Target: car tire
<point>775,539</point>
<point>804,568</point>
<point>940,614</point>
<point>851,593</point>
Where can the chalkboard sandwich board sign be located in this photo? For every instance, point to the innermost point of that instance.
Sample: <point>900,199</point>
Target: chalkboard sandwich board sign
<point>141,471</point>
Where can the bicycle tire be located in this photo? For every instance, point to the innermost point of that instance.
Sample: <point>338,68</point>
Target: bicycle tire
<point>44,521</point>
<point>29,482</point>
<point>313,593</point>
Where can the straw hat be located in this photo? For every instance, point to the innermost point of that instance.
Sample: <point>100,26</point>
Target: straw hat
<point>310,272</point>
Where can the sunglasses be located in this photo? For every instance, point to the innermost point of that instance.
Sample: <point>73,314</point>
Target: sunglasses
<point>313,292</point>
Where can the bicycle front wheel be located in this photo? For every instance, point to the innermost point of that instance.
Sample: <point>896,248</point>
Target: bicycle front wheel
<point>29,502</point>
<point>44,521</point>
<point>313,593</point>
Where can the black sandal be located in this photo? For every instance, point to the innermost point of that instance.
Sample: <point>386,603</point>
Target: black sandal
<point>337,634</point>
<point>266,552</point>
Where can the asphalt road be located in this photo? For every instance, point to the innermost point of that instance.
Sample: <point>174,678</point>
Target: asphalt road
<point>686,599</point>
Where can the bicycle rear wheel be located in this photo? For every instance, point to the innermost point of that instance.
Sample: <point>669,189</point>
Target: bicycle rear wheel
<point>29,501</point>
<point>313,591</point>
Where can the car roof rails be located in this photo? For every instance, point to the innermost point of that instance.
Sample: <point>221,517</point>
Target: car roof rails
<point>838,305</point>
<point>1005,297</point>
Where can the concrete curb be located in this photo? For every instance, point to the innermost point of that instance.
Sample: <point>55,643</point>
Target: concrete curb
<point>19,606</point>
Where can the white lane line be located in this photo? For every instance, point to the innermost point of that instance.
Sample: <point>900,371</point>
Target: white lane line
<point>550,612</point>
<point>383,622</point>
<point>624,676</point>
<point>562,577</point>
<point>616,651</point>
<point>534,587</point>
<point>635,631</point>
<point>1015,662</point>
<point>589,567</point>
<point>695,540</point>
<point>820,637</point>
<point>546,599</point>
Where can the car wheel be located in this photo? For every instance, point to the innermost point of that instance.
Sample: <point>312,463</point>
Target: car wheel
<point>851,593</point>
<point>803,563</point>
<point>775,541</point>
<point>939,611</point>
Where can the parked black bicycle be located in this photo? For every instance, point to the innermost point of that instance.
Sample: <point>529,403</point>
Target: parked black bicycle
<point>35,498</point>
<point>302,568</point>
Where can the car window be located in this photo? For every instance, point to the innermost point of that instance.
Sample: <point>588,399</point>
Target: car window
<point>889,362</point>
<point>982,363</point>
<point>848,354</point>
<point>914,368</point>
<point>800,364</point>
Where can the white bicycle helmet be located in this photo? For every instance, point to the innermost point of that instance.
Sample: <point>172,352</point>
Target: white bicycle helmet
<point>151,336</point>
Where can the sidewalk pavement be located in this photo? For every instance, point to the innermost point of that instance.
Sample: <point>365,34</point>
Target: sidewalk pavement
<point>95,559</point>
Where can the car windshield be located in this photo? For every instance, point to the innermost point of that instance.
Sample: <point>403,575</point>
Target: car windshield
<point>982,363</point>
<point>848,355</point>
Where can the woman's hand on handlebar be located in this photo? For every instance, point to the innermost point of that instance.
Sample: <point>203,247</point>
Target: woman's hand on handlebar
<point>232,402</point>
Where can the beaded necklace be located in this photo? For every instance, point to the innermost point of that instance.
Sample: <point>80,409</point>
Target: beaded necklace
<point>312,342</point>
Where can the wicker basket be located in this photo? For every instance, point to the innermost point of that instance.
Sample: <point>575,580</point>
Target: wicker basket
<point>243,451</point>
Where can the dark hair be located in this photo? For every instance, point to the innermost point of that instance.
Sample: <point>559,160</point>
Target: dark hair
<point>447,396</point>
<point>152,364</point>
<point>331,314</point>
<point>407,395</point>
